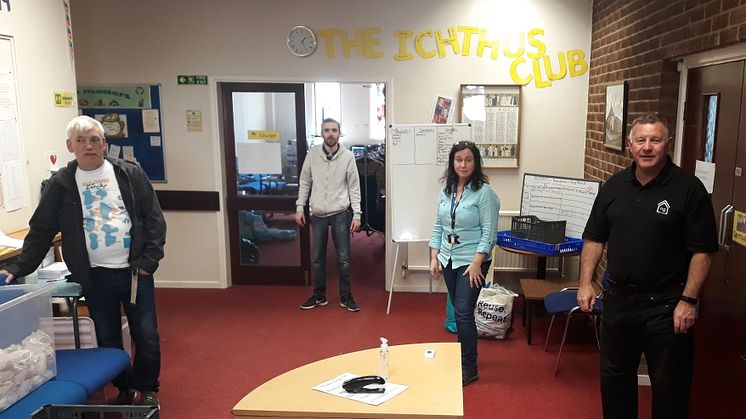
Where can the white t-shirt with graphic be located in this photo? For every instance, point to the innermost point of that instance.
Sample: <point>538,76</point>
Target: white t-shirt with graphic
<point>106,223</point>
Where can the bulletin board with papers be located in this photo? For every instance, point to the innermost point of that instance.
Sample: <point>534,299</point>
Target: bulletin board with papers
<point>133,123</point>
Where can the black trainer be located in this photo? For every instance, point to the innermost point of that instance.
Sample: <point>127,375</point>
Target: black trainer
<point>468,379</point>
<point>313,302</point>
<point>125,397</point>
<point>350,304</point>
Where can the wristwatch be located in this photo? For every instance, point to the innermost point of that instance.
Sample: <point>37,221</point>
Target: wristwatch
<point>689,300</point>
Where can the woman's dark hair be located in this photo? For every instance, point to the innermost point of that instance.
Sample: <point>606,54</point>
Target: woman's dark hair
<point>477,178</point>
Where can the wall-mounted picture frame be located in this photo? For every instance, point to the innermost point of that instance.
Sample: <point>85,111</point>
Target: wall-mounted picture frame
<point>615,115</point>
<point>493,111</point>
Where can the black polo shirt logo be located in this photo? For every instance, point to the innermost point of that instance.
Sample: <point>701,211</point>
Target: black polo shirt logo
<point>663,207</point>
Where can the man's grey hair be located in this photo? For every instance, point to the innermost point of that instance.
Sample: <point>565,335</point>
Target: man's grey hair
<point>649,118</point>
<point>81,124</point>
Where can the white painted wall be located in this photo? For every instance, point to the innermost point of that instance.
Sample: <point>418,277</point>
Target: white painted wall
<point>43,66</point>
<point>154,41</point>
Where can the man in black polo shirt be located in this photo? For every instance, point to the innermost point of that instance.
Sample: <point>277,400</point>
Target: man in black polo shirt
<point>659,226</point>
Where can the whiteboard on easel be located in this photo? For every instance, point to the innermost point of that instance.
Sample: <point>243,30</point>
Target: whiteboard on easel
<point>553,198</point>
<point>418,155</point>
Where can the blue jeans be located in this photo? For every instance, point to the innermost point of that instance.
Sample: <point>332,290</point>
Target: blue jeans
<point>464,299</point>
<point>110,290</point>
<point>340,226</point>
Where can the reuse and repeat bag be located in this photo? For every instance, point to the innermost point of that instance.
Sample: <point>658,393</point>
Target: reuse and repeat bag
<point>494,310</point>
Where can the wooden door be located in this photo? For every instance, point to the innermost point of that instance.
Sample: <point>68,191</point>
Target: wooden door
<point>264,131</point>
<point>715,131</point>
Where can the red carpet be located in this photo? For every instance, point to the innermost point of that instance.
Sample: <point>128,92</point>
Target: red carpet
<point>218,345</point>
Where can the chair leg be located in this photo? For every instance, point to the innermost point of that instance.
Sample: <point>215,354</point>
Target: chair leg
<point>562,344</point>
<point>549,331</point>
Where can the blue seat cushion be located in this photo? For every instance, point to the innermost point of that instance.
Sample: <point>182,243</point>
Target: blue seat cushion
<point>51,392</point>
<point>92,368</point>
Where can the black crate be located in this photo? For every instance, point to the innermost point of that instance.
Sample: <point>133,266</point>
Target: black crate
<point>532,228</point>
<point>76,411</point>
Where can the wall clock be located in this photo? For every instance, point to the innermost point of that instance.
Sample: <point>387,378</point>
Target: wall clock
<point>301,41</point>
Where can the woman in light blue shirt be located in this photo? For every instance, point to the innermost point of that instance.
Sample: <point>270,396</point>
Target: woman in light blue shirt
<point>462,241</point>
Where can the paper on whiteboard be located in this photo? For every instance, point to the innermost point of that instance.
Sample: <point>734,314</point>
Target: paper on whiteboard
<point>262,157</point>
<point>402,144</point>
<point>425,137</point>
<point>334,387</point>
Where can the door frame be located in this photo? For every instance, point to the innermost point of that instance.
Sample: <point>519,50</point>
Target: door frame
<point>261,274</point>
<point>218,156</point>
<point>718,56</point>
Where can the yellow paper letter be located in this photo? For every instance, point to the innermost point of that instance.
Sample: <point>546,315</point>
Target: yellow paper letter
<point>403,54</point>
<point>327,37</point>
<point>484,43</point>
<point>371,42</point>
<point>541,48</point>
<point>551,75</point>
<point>468,31</point>
<point>576,62</point>
<point>418,45</point>
<point>514,72</point>
<point>452,40</point>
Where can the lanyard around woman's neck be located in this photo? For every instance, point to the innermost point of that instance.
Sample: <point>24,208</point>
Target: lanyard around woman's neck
<point>454,206</point>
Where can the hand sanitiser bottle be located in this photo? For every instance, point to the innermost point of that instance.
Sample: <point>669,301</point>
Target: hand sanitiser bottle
<point>384,358</point>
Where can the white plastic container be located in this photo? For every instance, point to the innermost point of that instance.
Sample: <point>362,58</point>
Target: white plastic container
<point>27,357</point>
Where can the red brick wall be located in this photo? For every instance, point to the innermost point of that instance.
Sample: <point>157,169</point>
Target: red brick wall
<point>640,41</point>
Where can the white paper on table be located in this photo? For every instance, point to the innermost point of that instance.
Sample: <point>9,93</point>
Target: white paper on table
<point>334,387</point>
<point>150,120</point>
<point>9,241</point>
<point>705,171</point>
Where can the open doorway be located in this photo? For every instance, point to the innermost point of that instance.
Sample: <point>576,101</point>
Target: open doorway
<point>267,130</point>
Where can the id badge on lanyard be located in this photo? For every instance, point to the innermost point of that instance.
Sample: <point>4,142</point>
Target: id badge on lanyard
<point>453,237</point>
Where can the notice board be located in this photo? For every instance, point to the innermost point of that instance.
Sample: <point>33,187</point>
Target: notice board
<point>418,155</point>
<point>553,198</point>
<point>132,120</point>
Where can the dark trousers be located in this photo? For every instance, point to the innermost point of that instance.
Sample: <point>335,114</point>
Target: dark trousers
<point>636,323</point>
<point>340,227</point>
<point>109,292</point>
<point>464,299</point>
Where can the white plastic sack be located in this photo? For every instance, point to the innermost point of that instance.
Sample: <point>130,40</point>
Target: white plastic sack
<point>494,310</point>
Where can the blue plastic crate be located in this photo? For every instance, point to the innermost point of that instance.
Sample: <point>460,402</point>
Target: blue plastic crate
<point>570,245</point>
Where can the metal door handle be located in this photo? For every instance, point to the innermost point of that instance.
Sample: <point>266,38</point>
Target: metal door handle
<point>723,226</point>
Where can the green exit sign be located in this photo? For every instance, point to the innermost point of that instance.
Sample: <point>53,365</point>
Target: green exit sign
<point>191,79</point>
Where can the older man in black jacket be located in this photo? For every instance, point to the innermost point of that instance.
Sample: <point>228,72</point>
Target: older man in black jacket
<point>113,233</point>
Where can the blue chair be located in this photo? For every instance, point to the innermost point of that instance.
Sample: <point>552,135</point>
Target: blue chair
<point>565,302</point>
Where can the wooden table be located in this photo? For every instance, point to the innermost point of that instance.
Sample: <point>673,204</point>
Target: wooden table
<point>20,235</point>
<point>541,263</point>
<point>534,290</point>
<point>434,386</point>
